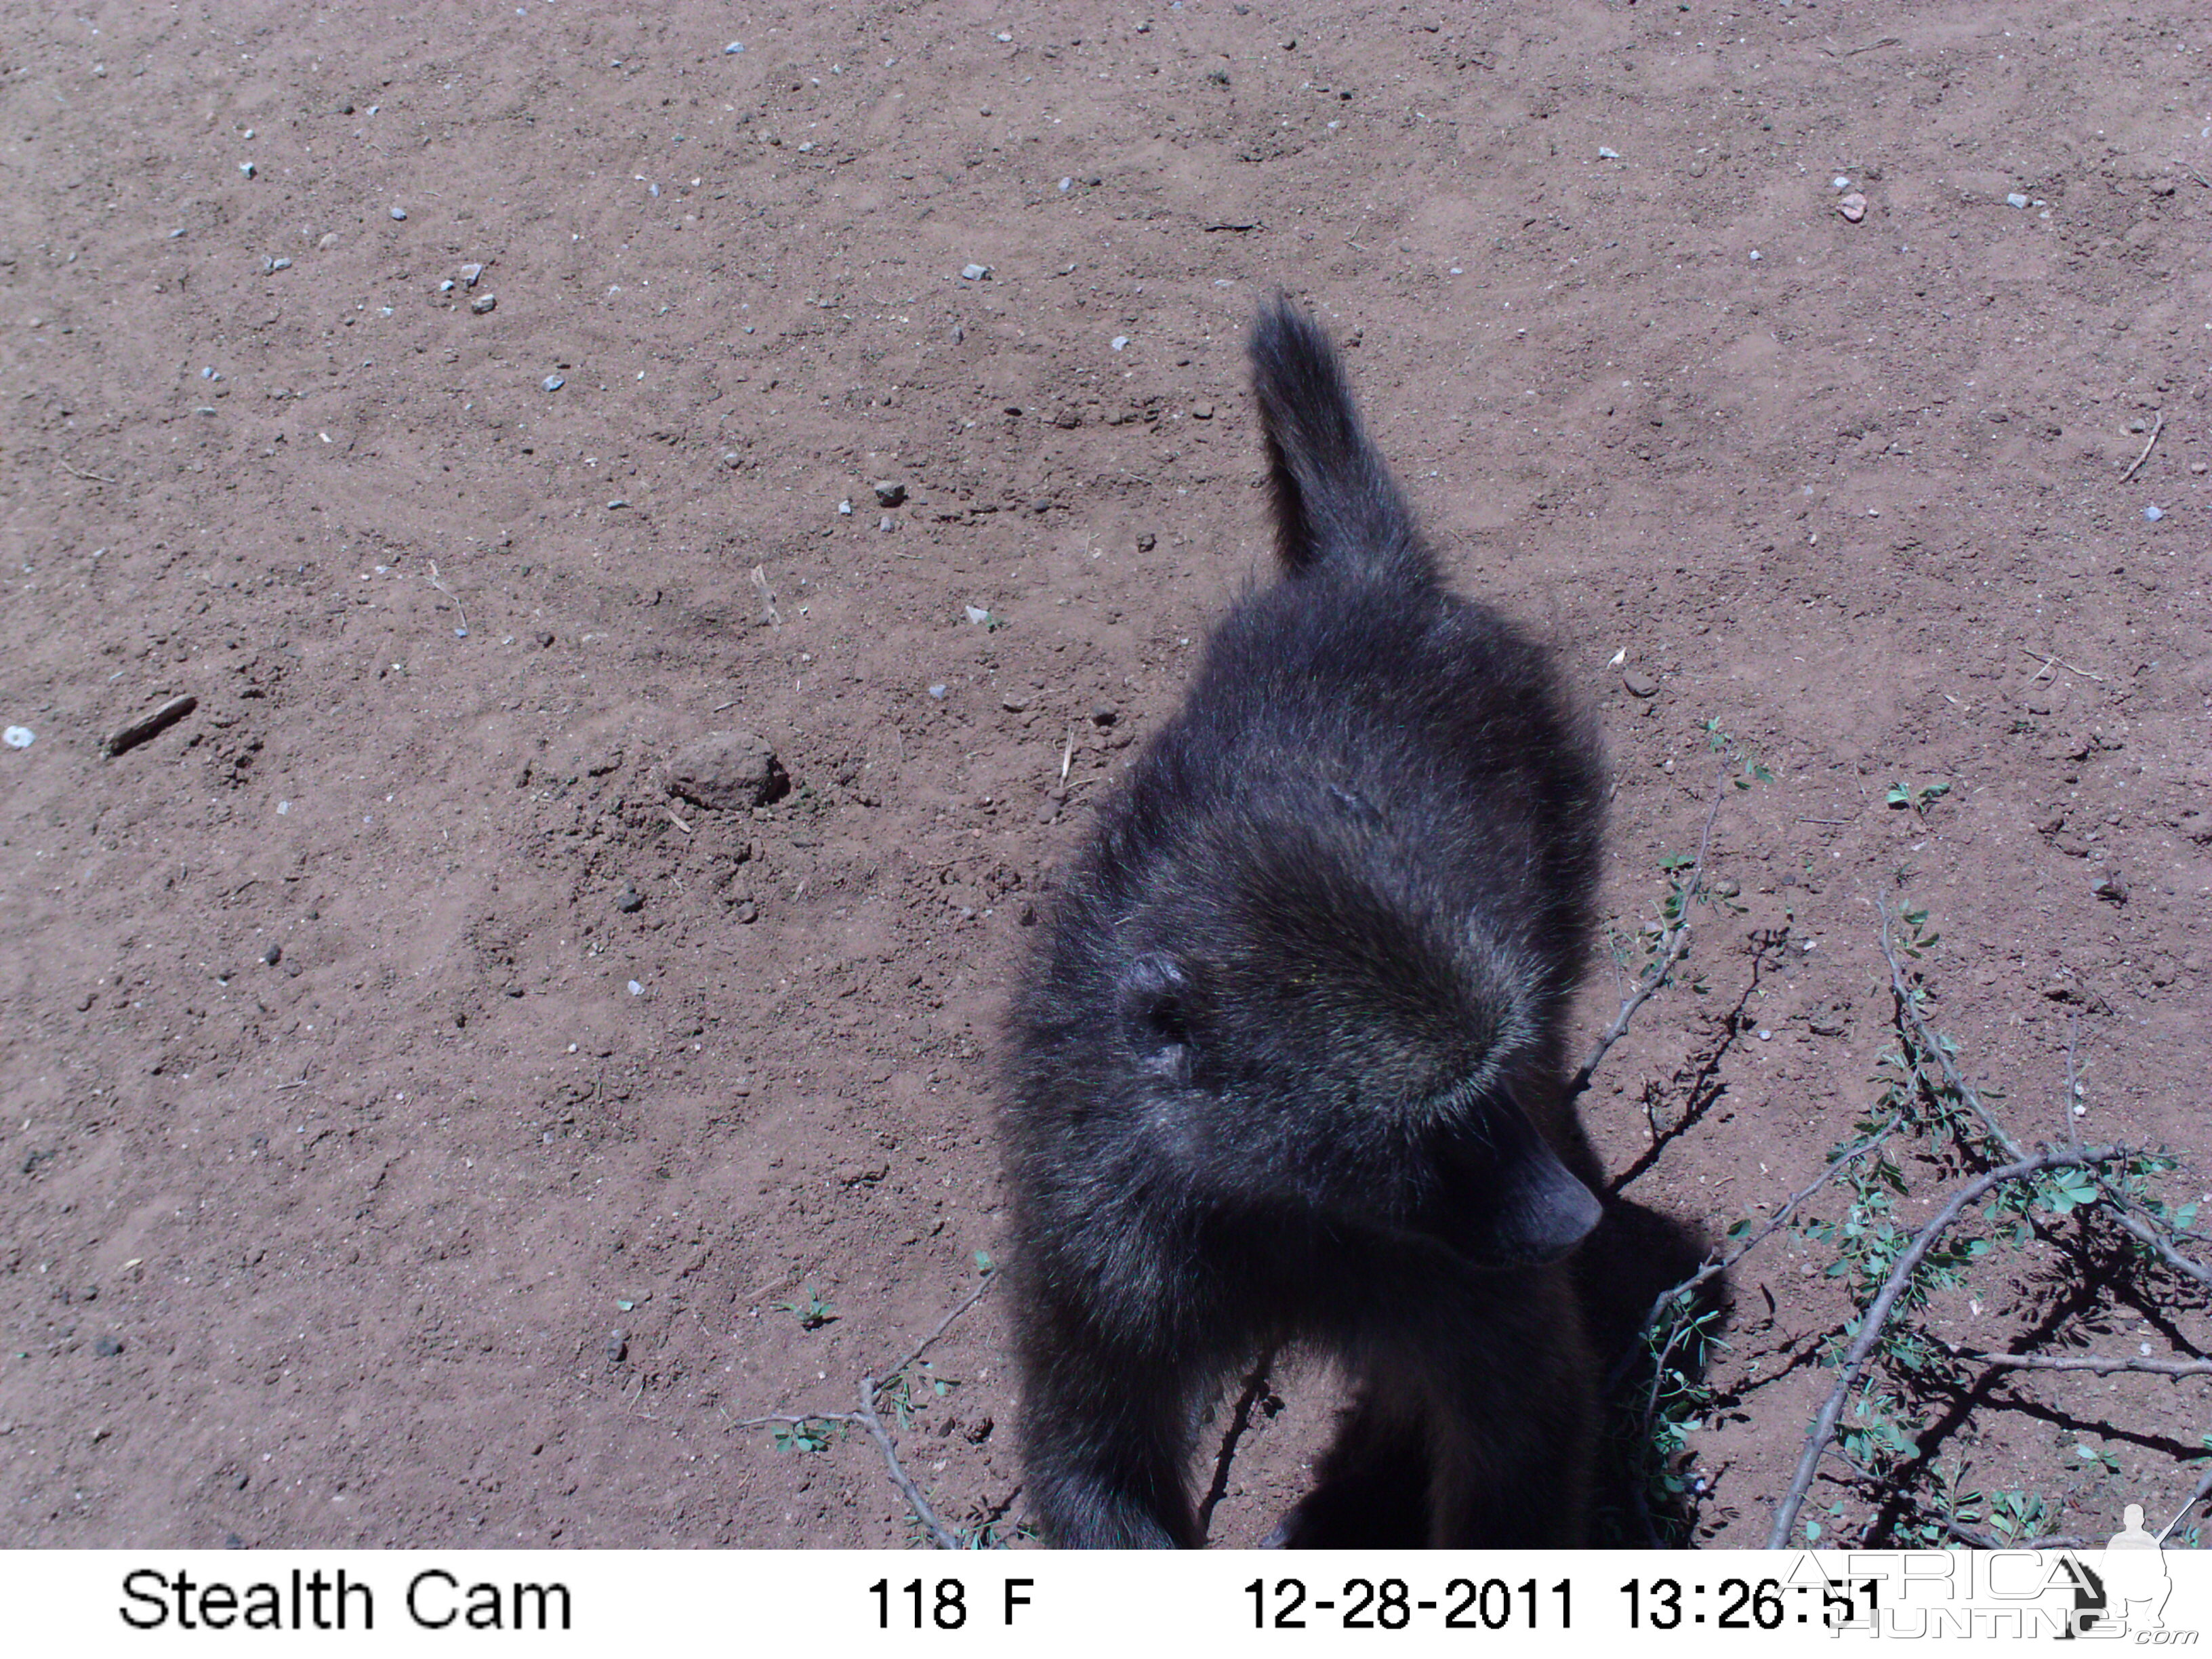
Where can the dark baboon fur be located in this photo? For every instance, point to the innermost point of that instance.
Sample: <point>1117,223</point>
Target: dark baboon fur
<point>1288,1067</point>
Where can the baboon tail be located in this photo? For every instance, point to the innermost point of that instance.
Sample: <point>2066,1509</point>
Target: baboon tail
<point>1335,504</point>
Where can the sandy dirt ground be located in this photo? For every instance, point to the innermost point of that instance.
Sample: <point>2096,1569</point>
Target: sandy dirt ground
<point>423,1126</point>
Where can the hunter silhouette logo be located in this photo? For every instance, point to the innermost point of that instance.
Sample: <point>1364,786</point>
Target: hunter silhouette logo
<point>2134,1578</point>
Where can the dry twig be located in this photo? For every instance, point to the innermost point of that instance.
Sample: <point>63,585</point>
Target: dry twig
<point>1721,1261</point>
<point>2103,1365</point>
<point>2156,426</point>
<point>1923,1042</point>
<point>1876,1317</point>
<point>1673,945</point>
<point>2050,662</point>
<point>133,734</point>
<point>871,1389</point>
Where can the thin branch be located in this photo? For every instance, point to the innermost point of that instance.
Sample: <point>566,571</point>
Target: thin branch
<point>2156,426</point>
<point>2048,662</point>
<point>789,1420</point>
<point>2103,1365</point>
<point>2195,1498</point>
<point>1255,1386</point>
<point>939,1534</point>
<point>1722,1261</point>
<point>941,1327</point>
<point>1981,1540</point>
<point>1876,1317</point>
<point>79,472</point>
<point>871,1389</point>
<point>1674,945</point>
<point>1924,1042</point>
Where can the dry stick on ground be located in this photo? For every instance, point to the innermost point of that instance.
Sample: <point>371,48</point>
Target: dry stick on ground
<point>1923,1042</point>
<point>870,1388</point>
<point>2103,1365</point>
<point>2048,662</point>
<point>2156,426</point>
<point>150,725</point>
<point>939,1533</point>
<point>1674,945</point>
<point>1876,1317</point>
<point>2195,1498</point>
<point>1721,1261</point>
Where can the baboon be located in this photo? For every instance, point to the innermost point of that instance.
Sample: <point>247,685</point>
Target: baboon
<point>1288,1066</point>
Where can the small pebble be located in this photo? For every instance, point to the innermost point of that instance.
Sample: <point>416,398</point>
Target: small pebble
<point>733,48</point>
<point>748,912</point>
<point>2154,513</point>
<point>1640,685</point>
<point>1066,185</point>
<point>978,615</point>
<point>844,509</point>
<point>247,168</point>
<point>617,1347</point>
<point>887,523</point>
<point>280,263</point>
<point>629,901</point>
<point>974,273</point>
<point>619,502</point>
<point>107,1347</point>
<point>635,989</point>
<point>1842,183</point>
<point>273,955</point>
<point>937,691</point>
<point>398,214</point>
<point>470,273</point>
<point>1604,155</point>
<point>1146,542</point>
<point>553,383</point>
<point>19,736</point>
<point>1201,411</point>
<point>2016,200</point>
<point>1853,207</point>
<point>483,302</point>
<point>1013,702</point>
<point>1120,341</point>
<point>889,492</point>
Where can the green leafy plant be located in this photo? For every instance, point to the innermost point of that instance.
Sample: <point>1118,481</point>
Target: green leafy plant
<point>813,1313</point>
<point>811,1434</point>
<point>1918,797</point>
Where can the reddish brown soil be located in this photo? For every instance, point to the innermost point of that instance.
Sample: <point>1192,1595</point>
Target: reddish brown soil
<point>364,1220</point>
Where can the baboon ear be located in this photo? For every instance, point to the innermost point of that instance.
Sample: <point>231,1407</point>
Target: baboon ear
<point>1153,999</point>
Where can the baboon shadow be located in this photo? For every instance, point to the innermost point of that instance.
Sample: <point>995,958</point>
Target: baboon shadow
<point>1635,1255</point>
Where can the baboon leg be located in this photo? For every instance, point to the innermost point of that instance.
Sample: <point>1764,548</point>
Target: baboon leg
<point>1107,1447</point>
<point>1371,1490</point>
<point>1514,1419</point>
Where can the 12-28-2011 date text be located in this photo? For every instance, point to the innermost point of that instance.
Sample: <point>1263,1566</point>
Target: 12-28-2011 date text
<point>1392,1604</point>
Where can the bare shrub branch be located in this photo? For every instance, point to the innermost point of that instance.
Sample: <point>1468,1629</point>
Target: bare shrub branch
<point>1871,1323</point>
